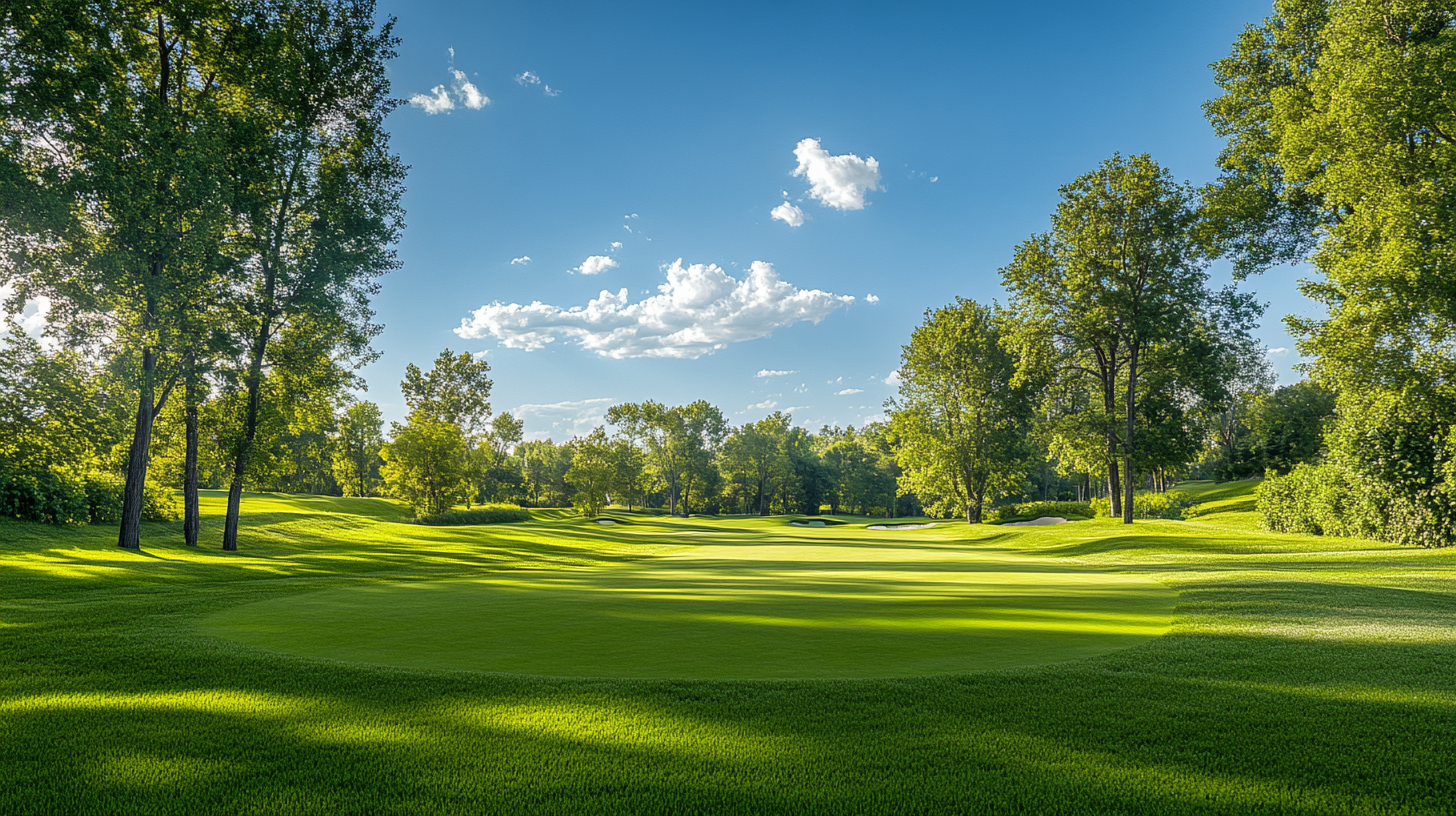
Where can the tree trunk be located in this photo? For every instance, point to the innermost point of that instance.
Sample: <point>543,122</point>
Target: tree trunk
<point>133,494</point>
<point>245,447</point>
<point>1114,489</point>
<point>191,512</point>
<point>1128,444</point>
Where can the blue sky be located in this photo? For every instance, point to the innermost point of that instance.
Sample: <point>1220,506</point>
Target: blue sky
<point>645,134</point>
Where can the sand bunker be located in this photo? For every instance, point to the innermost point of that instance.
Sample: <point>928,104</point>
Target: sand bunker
<point>1041,522</point>
<point>606,521</point>
<point>899,526</point>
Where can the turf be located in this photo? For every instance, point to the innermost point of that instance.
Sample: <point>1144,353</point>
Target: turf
<point>1299,675</point>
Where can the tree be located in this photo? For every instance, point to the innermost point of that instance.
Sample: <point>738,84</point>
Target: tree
<point>456,389</point>
<point>117,154</point>
<point>318,211</point>
<point>356,458</point>
<point>1114,289</point>
<point>424,464</point>
<point>756,451</point>
<point>593,472</point>
<point>962,416</point>
<point>1340,114</point>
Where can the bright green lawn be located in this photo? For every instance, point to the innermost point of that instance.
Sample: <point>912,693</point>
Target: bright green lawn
<point>1300,675</point>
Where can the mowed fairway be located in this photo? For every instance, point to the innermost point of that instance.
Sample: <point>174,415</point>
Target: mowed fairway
<point>1174,667</point>
<point>805,608</point>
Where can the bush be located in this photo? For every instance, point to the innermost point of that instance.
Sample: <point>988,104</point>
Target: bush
<point>1330,500</point>
<point>57,496</point>
<point>1170,505</point>
<point>484,514</point>
<point>1037,509</point>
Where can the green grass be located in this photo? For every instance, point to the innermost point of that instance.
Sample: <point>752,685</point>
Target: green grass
<point>1299,675</point>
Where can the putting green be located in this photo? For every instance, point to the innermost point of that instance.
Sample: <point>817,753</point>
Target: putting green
<point>814,610</point>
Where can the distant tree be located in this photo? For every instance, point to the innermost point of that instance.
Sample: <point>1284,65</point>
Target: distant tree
<point>456,389</point>
<point>1287,426</point>
<point>424,464</point>
<point>756,451</point>
<point>1113,290</point>
<point>963,418</point>
<point>593,472</point>
<point>356,457</point>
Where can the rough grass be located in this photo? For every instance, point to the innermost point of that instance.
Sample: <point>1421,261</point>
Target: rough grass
<point>1300,675</point>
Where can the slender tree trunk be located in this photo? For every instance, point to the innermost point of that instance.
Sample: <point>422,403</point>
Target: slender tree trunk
<point>250,431</point>
<point>1128,444</point>
<point>133,494</point>
<point>191,511</point>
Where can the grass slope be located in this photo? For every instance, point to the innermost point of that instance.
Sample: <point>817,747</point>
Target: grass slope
<point>1300,675</point>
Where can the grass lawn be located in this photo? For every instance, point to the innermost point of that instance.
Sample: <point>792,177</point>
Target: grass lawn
<point>347,661</point>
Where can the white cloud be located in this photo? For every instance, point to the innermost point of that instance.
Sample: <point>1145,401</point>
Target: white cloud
<point>550,91</point>
<point>437,101</point>
<point>528,78</point>
<point>616,245</point>
<point>32,317</point>
<point>523,260</point>
<point>894,378</point>
<point>766,405</point>
<point>562,420</point>
<point>1277,352</point>
<point>789,214</point>
<point>848,391</point>
<point>836,181</point>
<point>773,372</point>
<point>469,95</point>
<point>595,265</point>
<point>698,310</point>
<point>872,298</point>
<point>934,179</point>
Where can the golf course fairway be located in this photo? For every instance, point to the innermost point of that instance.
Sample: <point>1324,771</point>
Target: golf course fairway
<point>824,608</point>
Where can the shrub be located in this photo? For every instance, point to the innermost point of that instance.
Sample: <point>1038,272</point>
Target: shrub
<point>1170,505</point>
<point>1037,509</point>
<point>1330,500</point>
<point>484,514</point>
<point>58,496</point>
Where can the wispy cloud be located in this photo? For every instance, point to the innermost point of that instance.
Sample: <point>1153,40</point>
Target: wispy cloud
<point>531,78</point>
<point>698,310</point>
<point>562,420</point>
<point>766,405</point>
<point>848,391</point>
<point>773,372</point>
<point>595,265</point>
<point>523,260</point>
<point>462,90</point>
<point>836,181</point>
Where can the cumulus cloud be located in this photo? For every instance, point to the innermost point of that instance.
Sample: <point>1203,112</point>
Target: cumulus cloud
<point>469,95</point>
<point>595,265</point>
<point>894,378</point>
<point>436,101</point>
<point>33,315</point>
<point>789,214</point>
<point>562,420</point>
<point>523,260</point>
<point>773,372</point>
<point>766,405</point>
<point>462,91</point>
<point>836,181</point>
<point>872,298</point>
<point>698,310</point>
<point>848,391</point>
<point>616,245</point>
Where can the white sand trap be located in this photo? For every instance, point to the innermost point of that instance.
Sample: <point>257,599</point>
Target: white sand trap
<point>1041,522</point>
<point>815,523</point>
<point>899,526</point>
<point>605,521</point>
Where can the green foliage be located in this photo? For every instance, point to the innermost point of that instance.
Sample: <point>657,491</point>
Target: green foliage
<point>593,472</point>
<point>356,454</point>
<point>1328,499</point>
<point>482,514</point>
<point>1038,509</point>
<point>456,390</point>
<point>1169,505</point>
<point>424,464</point>
<point>963,418</point>
<point>61,496</point>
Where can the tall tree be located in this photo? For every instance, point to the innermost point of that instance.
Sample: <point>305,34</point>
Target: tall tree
<point>962,416</point>
<point>116,158</point>
<point>1113,289</point>
<point>756,451</point>
<point>593,472</point>
<point>356,459</point>
<point>319,211</point>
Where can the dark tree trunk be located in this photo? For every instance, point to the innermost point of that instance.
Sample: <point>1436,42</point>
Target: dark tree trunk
<point>191,512</point>
<point>1128,443</point>
<point>133,494</point>
<point>245,446</point>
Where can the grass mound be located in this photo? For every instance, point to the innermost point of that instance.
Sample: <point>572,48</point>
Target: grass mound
<point>484,514</point>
